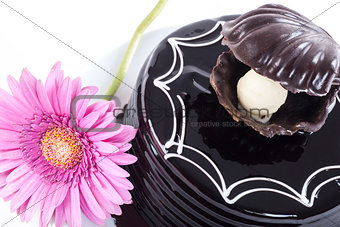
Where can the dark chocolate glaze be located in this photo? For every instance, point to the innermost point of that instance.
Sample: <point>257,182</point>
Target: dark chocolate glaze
<point>173,192</point>
<point>300,111</point>
<point>283,45</point>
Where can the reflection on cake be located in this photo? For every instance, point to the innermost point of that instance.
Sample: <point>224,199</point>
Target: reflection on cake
<point>199,167</point>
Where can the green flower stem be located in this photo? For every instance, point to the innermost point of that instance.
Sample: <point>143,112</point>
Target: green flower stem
<point>132,47</point>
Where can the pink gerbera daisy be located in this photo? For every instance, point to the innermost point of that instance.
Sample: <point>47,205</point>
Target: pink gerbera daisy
<point>47,163</point>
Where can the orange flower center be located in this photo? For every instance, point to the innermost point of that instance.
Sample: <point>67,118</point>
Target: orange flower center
<point>61,147</point>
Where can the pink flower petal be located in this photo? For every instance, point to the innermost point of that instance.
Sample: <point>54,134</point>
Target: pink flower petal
<point>43,98</point>
<point>75,206</point>
<point>65,96</point>
<point>53,82</point>
<point>111,181</point>
<point>60,194</point>
<point>90,200</point>
<point>123,159</point>
<point>120,182</point>
<point>29,78</point>
<point>21,211</point>
<point>9,145</point>
<point>107,165</point>
<point>9,135</point>
<point>8,198</point>
<point>8,124</point>
<point>113,107</point>
<point>15,104</point>
<point>18,173</point>
<point>105,147</point>
<point>113,128</point>
<point>15,117</point>
<point>15,89</point>
<point>41,221</point>
<point>35,200</point>
<point>89,120</point>
<point>55,102</point>
<point>55,77</point>
<point>56,66</point>
<point>59,73</point>
<point>105,120</point>
<point>6,165</point>
<point>59,216</point>
<point>104,202</point>
<point>28,87</point>
<point>76,87</point>
<point>99,136</point>
<point>48,204</point>
<point>81,105</point>
<point>50,83</point>
<point>2,180</point>
<point>106,189</point>
<point>25,192</point>
<point>100,107</point>
<point>14,186</point>
<point>88,213</point>
<point>123,147</point>
<point>67,208</point>
<point>117,210</point>
<point>125,194</point>
<point>127,134</point>
<point>12,155</point>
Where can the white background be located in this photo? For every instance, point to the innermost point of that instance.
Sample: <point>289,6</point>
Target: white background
<point>100,31</point>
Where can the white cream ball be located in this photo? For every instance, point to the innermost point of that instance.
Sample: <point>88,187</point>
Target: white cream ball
<point>260,95</point>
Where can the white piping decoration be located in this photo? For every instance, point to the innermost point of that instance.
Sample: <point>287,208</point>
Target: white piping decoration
<point>162,83</point>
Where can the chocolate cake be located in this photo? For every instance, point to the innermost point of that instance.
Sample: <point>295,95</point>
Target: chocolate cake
<point>198,167</point>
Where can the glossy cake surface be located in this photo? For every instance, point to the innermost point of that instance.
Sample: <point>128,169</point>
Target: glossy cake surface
<point>198,167</point>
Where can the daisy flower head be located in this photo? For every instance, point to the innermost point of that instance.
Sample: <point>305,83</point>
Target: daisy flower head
<point>48,164</point>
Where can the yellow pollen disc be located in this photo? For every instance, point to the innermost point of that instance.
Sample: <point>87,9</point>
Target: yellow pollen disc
<point>61,147</point>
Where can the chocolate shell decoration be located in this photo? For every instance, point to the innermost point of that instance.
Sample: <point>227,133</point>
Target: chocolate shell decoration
<point>286,47</point>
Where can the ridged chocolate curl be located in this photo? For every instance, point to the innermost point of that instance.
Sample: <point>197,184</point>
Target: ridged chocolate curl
<point>285,46</point>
